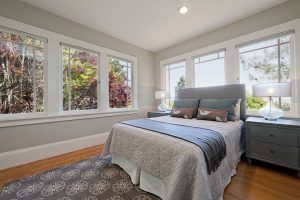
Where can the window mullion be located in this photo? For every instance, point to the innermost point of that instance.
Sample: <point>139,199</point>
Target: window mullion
<point>189,72</point>
<point>99,83</point>
<point>200,70</point>
<point>256,66</point>
<point>104,83</point>
<point>169,72</point>
<point>34,81</point>
<point>119,82</point>
<point>69,80</point>
<point>279,67</point>
<point>128,84</point>
<point>265,47</point>
<point>209,60</point>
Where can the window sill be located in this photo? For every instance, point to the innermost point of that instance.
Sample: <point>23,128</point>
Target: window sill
<point>285,114</point>
<point>27,119</point>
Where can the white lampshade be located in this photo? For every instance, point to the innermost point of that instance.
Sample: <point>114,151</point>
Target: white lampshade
<point>161,94</point>
<point>272,90</point>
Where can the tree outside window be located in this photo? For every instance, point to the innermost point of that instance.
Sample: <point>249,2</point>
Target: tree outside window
<point>80,80</point>
<point>265,62</point>
<point>181,84</point>
<point>22,64</point>
<point>175,79</point>
<point>120,83</point>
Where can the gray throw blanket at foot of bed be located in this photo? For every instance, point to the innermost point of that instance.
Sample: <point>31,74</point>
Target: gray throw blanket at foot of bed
<point>211,142</point>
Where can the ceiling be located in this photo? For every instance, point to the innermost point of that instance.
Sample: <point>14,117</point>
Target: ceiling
<point>153,24</point>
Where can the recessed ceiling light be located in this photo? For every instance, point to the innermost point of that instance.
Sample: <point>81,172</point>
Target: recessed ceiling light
<point>183,10</point>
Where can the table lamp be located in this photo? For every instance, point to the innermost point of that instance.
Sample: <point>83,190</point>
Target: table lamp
<point>270,112</point>
<point>162,95</point>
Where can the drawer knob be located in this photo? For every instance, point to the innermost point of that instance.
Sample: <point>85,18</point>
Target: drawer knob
<point>271,151</point>
<point>271,135</point>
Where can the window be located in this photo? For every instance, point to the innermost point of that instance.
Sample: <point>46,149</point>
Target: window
<point>210,69</point>
<point>80,78</point>
<point>120,83</point>
<point>69,89</point>
<point>175,79</point>
<point>264,61</point>
<point>22,65</point>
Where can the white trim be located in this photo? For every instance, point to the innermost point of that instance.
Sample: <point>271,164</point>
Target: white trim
<point>286,114</point>
<point>297,68</point>
<point>53,77</point>
<point>210,53</point>
<point>103,95</point>
<point>188,71</point>
<point>27,119</point>
<point>269,37</point>
<point>207,54</point>
<point>232,59</point>
<point>31,154</point>
<point>98,54</point>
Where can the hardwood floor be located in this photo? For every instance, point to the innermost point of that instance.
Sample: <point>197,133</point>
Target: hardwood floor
<point>262,181</point>
<point>257,182</point>
<point>18,172</point>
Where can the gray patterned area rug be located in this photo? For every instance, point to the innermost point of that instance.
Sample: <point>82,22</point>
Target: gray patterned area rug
<point>91,179</point>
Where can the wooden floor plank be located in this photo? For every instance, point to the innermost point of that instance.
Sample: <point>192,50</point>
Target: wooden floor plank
<point>259,181</point>
<point>262,181</point>
<point>21,171</point>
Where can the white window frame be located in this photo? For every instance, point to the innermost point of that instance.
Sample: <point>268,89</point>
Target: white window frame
<point>133,80</point>
<point>293,111</point>
<point>206,54</point>
<point>165,71</point>
<point>232,60</point>
<point>13,116</point>
<point>62,44</point>
<point>53,80</point>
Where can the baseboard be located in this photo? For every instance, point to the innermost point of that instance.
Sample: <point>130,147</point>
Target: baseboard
<point>31,154</point>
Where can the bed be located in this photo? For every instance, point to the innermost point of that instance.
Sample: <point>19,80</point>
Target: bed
<point>175,169</point>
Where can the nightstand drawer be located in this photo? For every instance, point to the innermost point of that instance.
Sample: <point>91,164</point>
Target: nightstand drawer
<point>283,136</point>
<point>274,152</point>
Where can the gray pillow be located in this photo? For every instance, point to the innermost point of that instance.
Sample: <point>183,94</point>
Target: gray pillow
<point>221,104</point>
<point>187,103</point>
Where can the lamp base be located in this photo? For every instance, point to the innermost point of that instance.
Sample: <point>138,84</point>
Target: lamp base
<point>270,112</point>
<point>162,106</point>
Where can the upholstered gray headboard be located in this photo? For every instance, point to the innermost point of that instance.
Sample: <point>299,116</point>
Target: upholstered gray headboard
<point>217,92</point>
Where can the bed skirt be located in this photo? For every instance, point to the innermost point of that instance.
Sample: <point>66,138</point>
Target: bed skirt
<point>146,181</point>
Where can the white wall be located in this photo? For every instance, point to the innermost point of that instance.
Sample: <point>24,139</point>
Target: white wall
<point>30,135</point>
<point>271,17</point>
<point>232,74</point>
<point>148,72</point>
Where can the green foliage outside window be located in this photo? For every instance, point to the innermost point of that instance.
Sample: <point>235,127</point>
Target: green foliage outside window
<point>181,84</point>
<point>120,94</point>
<point>263,63</point>
<point>254,103</point>
<point>22,61</point>
<point>80,79</point>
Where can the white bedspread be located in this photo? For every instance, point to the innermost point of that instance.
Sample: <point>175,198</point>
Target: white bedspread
<point>179,164</point>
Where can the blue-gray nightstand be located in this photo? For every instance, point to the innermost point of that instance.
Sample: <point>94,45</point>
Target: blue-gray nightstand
<point>158,114</point>
<point>276,142</point>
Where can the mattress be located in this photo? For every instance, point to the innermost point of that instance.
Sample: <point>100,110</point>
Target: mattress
<point>144,155</point>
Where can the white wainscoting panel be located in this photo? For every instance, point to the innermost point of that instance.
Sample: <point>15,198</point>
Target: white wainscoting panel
<point>31,154</point>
